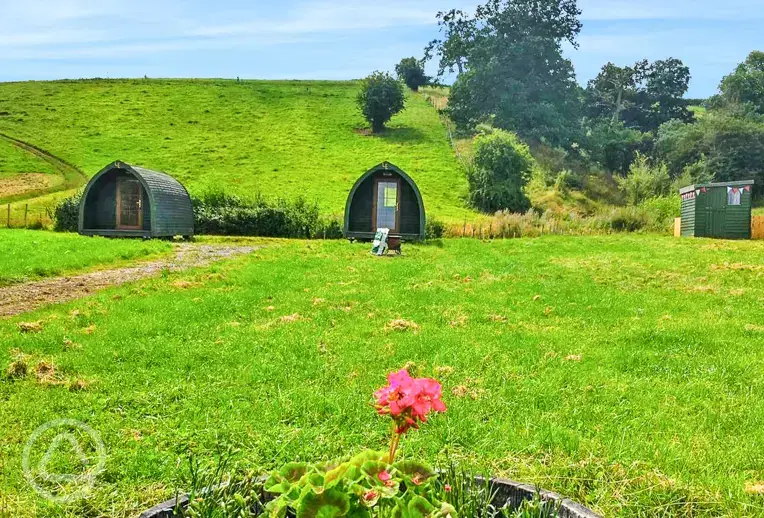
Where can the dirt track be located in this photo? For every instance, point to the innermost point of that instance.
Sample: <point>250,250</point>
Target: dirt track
<point>20,298</point>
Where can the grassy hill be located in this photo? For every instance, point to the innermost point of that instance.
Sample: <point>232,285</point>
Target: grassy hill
<point>23,174</point>
<point>285,138</point>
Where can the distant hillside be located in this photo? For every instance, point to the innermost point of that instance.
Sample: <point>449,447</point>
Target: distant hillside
<point>284,138</point>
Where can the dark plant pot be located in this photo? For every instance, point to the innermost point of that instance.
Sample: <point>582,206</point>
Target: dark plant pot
<point>507,492</point>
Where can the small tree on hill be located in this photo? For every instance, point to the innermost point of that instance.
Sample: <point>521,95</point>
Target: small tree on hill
<point>502,166</point>
<point>380,98</point>
<point>411,72</point>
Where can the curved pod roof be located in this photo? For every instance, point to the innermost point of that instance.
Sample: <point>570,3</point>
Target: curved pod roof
<point>383,167</point>
<point>171,211</point>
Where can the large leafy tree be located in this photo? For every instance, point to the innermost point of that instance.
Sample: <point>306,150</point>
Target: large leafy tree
<point>722,145</point>
<point>411,72</point>
<point>746,84</point>
<point>642,96</point>
<point>512,72</point>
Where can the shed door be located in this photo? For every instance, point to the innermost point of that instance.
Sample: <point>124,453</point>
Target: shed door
<point>129,210</point>
<point>387,197</point>
<point>716,210</point>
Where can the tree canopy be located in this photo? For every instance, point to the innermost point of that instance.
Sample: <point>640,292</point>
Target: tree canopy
<point>512,71</point>
<point>411,72</point>
<point>746,84</point>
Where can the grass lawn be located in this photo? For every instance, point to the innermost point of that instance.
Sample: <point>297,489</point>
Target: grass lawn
<point>278,137</point>
<point>28,254</point>
<point>624,371</point>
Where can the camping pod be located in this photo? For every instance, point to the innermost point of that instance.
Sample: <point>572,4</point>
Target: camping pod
<point>128,201</point>
<point>721,210</point>
<point>385,197</point>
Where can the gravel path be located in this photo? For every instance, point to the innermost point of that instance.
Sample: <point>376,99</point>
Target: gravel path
<point>20,298</point>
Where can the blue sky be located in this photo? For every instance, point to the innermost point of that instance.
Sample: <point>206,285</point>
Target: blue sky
<point>339,39</point>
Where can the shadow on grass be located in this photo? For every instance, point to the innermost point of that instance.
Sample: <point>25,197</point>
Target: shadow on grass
<point>398,135</point>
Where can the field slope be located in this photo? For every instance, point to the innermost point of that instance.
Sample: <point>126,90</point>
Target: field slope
<point>285,138</point>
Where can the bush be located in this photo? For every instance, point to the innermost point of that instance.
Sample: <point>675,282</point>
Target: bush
<point>662,211</point>
<point>644,182</point>
<point>223,214</point>
<point>67,214</point>
<point>626,219</point>
<point>380,98</point>
<point>501,168</point>
<point>411,72</point>
<point>434,229</point>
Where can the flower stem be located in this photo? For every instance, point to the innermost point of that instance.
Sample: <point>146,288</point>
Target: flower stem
<point>393,447</point>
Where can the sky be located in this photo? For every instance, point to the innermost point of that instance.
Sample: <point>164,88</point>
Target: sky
<point>340,39</point>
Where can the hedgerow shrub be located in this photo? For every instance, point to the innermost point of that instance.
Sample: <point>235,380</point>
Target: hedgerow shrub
<point>228,215</point>
<point>67,213</point>
<point>434,229</point>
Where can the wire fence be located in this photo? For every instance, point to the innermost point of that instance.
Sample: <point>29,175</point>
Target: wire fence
<point>24,216</point>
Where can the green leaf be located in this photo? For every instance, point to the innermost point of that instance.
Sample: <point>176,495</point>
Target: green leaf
<point>364,456</point>
<point>293,471</point>
<point>419,507</point>
<point>328,504</point>
<point>415,472</point>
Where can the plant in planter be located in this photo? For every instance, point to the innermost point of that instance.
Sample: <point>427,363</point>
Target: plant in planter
<point>371,483</point>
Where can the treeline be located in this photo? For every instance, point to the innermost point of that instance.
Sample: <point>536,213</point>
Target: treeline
<point>632,121</point>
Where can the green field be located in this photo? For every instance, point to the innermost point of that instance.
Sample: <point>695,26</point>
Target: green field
<point>623,371</point>
<point>14,161</point>
<point>275,137</point>
<point>29,255</point>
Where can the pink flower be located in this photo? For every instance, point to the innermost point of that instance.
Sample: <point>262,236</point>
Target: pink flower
<point>370,495</point>
<point>386,478</point>
<point>447,488</point>
<point>408,400</point>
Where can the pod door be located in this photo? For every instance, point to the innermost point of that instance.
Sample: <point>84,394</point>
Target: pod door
<point>129,210</point>
<point>386,204</point>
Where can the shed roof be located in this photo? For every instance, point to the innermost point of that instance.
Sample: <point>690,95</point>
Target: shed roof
<point>715,184</point>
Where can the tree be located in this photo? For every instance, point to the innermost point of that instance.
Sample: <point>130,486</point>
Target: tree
<point>613,145</point>
<point>723,144</point>
<point>613,90</point>
<point>643,96</point>
<point>511,67</point>
<point>380,98</point>
<point>746,84</point>
<point>501,168</point>
<point>411,72</point>
<point>458,31</point>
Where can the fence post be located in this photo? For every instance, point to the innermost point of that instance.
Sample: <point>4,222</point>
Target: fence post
<point>26,212</point>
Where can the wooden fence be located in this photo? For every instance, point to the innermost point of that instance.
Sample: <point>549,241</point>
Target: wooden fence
<point>757,227</point>
<point>22,216</point>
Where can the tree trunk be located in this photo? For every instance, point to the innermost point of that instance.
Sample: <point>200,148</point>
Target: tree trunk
<point>618,101</point>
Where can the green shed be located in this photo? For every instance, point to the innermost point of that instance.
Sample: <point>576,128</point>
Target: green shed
<point>721,210</point>
<point>385,197</point>
<point>127,201</point>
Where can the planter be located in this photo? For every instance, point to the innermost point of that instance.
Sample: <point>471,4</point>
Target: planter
<point>507,492</point>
